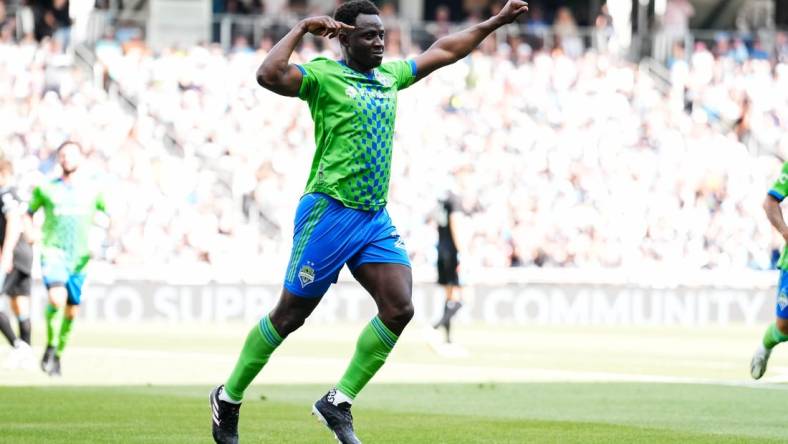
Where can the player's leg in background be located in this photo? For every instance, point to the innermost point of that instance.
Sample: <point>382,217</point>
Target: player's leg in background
<point>20,305</point>
<point>775,333</point>
<point>16,284</point>
<point>12,360</point>
<point>449,279</point>
<point>7,330</point>
<point>55,275</point>
<point>74,298</point>
<point>451,306</point>
<point>5,325</point>
<point>53,316</point>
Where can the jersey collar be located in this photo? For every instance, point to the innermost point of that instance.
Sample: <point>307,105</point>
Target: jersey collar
<point>370,75</point>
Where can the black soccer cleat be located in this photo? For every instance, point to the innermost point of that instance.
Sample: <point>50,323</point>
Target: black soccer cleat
<point>54,369</point>
<point>48,360</point>
<point>224,418</point>
<point>336,417</point>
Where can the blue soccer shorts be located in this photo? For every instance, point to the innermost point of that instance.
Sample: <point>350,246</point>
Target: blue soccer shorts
<point>782,295</point>
<point>328,235</point>
<point>56,273</point>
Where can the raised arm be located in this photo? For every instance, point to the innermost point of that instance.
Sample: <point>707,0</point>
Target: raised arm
<point>454,47</point>
<point>276,73</point>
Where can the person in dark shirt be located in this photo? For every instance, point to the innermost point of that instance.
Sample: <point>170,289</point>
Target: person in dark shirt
<point>16,262</point>
<point>448,261</point>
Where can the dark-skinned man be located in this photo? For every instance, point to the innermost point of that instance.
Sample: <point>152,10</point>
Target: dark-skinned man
<point>341,218</point>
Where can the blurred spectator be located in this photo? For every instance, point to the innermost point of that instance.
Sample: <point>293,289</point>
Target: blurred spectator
<point>677,17</point>
<point>603,29</point>
<point>442,24</point>
<point>755,16</point>
<point>561,162</point>
<point>566,34</point>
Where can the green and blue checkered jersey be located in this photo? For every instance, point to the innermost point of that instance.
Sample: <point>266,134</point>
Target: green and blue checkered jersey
<point>69,209</point>
<point>779,191</point>
<point>354,116</point>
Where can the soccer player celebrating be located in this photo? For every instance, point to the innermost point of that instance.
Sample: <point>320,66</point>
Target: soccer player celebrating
<point>70,204</point>
<point>16,263</point>
<point>777,332</point>
<point>341,218</point>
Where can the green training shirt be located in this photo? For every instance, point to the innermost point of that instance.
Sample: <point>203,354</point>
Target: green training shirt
<point>69,209</point>
<point>354,116</point>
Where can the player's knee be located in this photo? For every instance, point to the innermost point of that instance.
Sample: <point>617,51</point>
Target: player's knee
<point>72,311</point>
<point>782,326</point>
<point>401,314</point>
<point>286,323</point>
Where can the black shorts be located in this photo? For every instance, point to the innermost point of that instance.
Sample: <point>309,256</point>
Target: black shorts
<point>17,283</point>
<point>447,269</point>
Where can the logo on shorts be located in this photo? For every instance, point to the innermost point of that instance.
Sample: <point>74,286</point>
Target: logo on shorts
<point>782,300</point>
<point>399,243</point>
<point>307,274</point>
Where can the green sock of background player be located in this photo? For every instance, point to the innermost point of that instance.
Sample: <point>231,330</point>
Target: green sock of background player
<point>54,318</point>
<point>773,336</point>
<point>65,331</point>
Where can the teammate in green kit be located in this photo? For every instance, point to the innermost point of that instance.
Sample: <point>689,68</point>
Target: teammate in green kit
<point>70,204</point>
<point>777,332</point>
<point>341,218</point>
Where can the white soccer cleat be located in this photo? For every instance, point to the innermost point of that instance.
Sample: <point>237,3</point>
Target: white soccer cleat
<point>759,361</point>
<point>20,357</point>
<point>26,359</point>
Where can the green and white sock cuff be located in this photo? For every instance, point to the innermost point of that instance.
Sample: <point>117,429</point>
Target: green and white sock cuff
<point>269,332</point>
<point>382,332</point>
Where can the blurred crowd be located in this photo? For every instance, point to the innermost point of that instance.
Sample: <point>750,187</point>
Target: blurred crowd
<point>560,158</point>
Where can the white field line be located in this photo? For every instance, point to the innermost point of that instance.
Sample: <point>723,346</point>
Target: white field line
<point>113,366</point>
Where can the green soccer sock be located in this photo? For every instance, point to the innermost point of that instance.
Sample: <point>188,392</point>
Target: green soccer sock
<point>773,336</point>
<point>372,349</point>
<point>65,331</point>
<point>54,318</point>
<point>261,341</point>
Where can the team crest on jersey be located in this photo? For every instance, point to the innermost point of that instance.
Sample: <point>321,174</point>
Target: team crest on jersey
<point>384,79</point>
<point>782,300</point>
<point>307,274</point>
<point>351,91</point>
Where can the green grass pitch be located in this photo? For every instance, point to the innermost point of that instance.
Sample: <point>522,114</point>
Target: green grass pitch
<point>148,383</point>
<point>465,413</point>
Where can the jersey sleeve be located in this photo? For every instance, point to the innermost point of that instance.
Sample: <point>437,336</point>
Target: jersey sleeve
<point>310,80</point>
<point>404,72</point>
<point>36,200</point>
<point>780,188</point>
